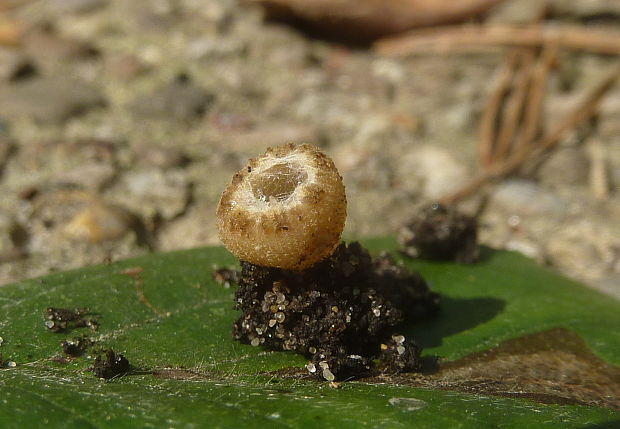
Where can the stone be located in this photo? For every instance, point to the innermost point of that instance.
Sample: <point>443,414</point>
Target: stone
<point>50,99</point>
<point>150,155</point>
<point>124,67</point>
<point>14,65</point>
<point>434,169</point>
<point>6,149</point>
<point>49,49</point>
<point>156,193</point>
<point>565,165</point>
<point>196,228</point>
<point>527,198</point>
<point>99,222</point>
<point>63,7</point>
<point>93,176</point>
<point>178,100</point>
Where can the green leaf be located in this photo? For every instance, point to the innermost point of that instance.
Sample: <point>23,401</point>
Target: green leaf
<point>194,375</point>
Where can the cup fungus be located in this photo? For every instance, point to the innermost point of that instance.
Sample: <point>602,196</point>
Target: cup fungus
<point>299,288</point>
<point>285,209</point>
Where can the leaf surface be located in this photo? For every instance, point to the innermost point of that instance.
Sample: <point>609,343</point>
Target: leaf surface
<point>173,323</point>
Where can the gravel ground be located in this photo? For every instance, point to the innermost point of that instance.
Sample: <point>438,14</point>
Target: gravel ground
<point>122,121</point>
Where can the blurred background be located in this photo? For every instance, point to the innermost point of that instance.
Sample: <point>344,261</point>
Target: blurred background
<point>122,121</point>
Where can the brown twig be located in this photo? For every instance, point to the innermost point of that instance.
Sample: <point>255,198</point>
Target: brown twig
<point>514,108</point>
<point>583,112</point>
<point>461,39</point>
<point>532,117</point>
<point>488,122</point>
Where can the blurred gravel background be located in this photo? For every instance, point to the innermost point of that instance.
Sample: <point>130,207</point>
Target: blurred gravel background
<point>122,121</point>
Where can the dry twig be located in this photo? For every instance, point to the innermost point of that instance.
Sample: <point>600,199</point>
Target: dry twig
<point>582,113</point>
<point>492,109</point>
<point>514,107</point>
<point>463,39</point>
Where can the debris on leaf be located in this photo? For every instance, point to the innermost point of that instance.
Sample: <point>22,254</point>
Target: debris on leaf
<point>109,365</point>
<point>398,355</point>
<point>438,232</point>
<point>76,346</point>
<point>338,312</point>
<point>226,276</point>
<point>61,319</point>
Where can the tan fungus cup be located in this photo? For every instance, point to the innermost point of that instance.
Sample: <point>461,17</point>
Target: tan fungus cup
<point>285,209</point>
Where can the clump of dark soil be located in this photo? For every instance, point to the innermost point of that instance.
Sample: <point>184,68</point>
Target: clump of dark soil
<point>441,233</point>
<point>342,313</point>
<point>62,319</point>
<point>76,346</point>
<point>108,365</point>
<point>226,276</point>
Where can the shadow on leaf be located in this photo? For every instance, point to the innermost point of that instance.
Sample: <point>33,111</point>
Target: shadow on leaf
<point>456,315</point>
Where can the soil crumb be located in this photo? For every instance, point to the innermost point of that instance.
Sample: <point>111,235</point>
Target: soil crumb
<point>108,365</point>
<point>76,346</point>
<point>226,276</point>
<point>441,233</point>
<point>62,319</point>
<point>341,313</point>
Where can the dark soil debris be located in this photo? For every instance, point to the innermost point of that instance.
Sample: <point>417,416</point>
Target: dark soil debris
<point>441,233</point>
<point>109,365</point>
<point>398,355</point>
<point>339,313</point>
<point>61,319</point>
<point>226,276</point>
<point>76,346</point>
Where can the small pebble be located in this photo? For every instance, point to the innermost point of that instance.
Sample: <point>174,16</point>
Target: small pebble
<point>98,223</point>
<point>11,364</point>
<point>154,191</point>
<point>311,368</point>
<point>255,342</point>
<point>161,156</point>
<point>526,198</point>
<point>179,100</point>
<point>327,375</point>
<point>51,100</point>
<point>66,7</point>
<point>399,339</point>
